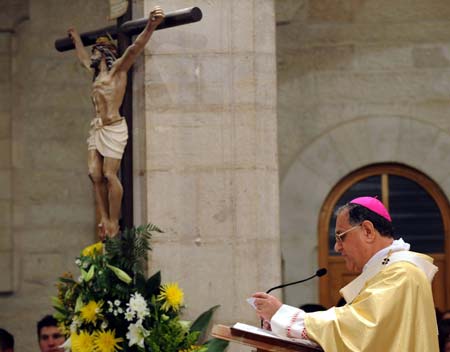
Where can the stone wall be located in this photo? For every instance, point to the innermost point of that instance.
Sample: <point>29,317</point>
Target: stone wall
<point>45,113</point>
<point>359,82</point>
<point>13,13</point>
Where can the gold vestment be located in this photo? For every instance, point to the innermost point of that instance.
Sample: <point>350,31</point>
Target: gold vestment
<point>393,312</point>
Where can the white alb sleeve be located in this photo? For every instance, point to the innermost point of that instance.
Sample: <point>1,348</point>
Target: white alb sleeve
<point>289,322</point>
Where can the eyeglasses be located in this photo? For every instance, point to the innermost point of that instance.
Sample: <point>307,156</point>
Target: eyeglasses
<point>341,236</point>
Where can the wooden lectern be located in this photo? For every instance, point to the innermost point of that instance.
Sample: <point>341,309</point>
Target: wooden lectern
<point>261,343</point>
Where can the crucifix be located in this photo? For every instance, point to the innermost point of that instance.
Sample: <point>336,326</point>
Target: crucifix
<point>109,144</point>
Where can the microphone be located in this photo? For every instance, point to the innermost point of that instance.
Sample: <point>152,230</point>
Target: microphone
<point>319,273</point>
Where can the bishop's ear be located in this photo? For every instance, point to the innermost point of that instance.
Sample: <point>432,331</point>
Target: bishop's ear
<point>369,230</point>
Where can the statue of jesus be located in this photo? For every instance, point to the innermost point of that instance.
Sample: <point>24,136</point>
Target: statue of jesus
<point>109,132</point>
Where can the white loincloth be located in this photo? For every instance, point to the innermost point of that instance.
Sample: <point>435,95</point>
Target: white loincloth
<point>108,140</point>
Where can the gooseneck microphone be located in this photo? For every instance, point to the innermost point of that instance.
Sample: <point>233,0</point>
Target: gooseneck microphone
<point>319,273</point>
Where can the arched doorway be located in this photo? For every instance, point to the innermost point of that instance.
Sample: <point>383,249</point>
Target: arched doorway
<point>418,207</point>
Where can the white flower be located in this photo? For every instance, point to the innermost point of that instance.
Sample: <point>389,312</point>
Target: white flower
<point>67,345</point>
<point>110,306</point>
<point>78,262</point>
<point>120,310</point>
<point>117,302</point>
<point>136,334</point>
<point>104,325</point>
<point>186,324</point>
<point>73,327</point>
<point>138,305</point>
<point>76,323</point>
<point>129,315</point>
<point>141,315</point>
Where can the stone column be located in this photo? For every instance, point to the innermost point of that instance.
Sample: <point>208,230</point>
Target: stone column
<point>6,245</point>
<point>211,173</point>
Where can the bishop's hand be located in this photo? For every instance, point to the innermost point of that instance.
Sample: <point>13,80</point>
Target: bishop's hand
<point>266,305</point>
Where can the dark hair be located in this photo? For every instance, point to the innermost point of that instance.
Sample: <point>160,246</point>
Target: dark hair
<point>6,340</point>
<point>48,320</point>
<point>341,302</point>
<point>312,307</point>
<point>444,332</point>
<point>109,52</point>
<point>357,214</point>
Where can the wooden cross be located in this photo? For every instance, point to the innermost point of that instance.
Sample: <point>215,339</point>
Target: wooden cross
<point>123,32</point>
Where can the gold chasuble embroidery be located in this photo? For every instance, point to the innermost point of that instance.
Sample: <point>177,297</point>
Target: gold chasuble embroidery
<point>391,310</point>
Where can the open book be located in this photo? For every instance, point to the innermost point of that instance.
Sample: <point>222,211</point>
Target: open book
<point>244,330</point>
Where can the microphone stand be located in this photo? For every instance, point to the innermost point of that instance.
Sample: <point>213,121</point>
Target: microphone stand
<point>291,283</point>
<point>318,273</point>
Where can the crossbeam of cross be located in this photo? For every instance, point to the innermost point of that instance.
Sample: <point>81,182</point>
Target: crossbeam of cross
<point>132,27</point>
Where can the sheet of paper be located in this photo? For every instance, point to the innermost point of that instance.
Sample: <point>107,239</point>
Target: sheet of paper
<point>251,301</point>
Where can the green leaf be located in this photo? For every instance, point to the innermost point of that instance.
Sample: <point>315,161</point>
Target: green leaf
<point>60,317</point>
<point>83,274</point>
<point>90,274</point>
<point>121,275</point>
<point>78,304</point>
<point>61,310</point>
<point>152,285</point>
<point>217,345</point>
<point>56,302</point>
<point>67,280</point>
<point>202,322</point>
<point>139,282</point>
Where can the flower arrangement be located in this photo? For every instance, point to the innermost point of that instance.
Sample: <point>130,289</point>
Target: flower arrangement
<point>113,307</point>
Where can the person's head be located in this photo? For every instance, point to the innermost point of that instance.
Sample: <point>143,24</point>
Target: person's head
<point>445,315</point>
<point>6,341</point>
<point>444,331</point>
<point>363,227</point>
<point>49,335</point>
<point>103,49</point>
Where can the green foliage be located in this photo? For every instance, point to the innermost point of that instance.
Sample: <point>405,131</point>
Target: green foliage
<point>152,285</point>
<point>216,345</point>
<point>130,253</point>
<point>169,335</point>
<point>113,296</point>
<point>201,324</point>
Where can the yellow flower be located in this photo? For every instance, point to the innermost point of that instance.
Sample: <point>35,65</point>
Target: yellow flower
<point>82,342</point>
<point>63,328</point>
<point>105,341</point>
<point>93,249</point>
<point>172,296</point>
<point>91,311</point>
